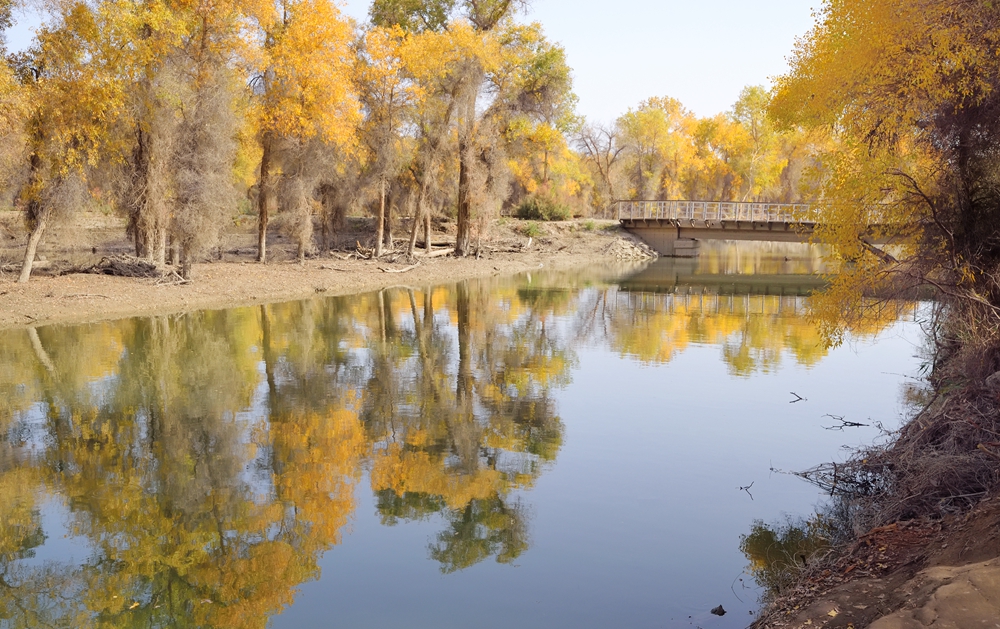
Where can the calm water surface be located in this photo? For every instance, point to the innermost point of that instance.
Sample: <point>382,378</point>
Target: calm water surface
<point>553,450</point>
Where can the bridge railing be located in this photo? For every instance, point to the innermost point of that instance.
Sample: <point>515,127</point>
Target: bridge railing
<point>714,211</point>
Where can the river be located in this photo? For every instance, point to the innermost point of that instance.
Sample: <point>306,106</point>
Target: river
<point>560,449</point>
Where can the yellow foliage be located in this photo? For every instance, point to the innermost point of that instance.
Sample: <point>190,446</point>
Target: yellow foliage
<point>307,74</point>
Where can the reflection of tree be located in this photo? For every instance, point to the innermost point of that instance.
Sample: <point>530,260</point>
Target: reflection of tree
<point>153,465</point>
<point>477,423</point>
<point>778,553</point>
<point>754,331</point>
<point>208,460</point>
<point>484,528</point>
<point>197,512</point>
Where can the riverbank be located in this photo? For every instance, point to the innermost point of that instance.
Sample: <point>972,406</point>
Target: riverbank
<point>54,296</point>
<point>941,573</point>
<point>930,555</point>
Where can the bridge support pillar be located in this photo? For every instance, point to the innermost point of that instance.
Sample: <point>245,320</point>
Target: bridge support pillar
<point>665,239</point>
<point>687,248</point>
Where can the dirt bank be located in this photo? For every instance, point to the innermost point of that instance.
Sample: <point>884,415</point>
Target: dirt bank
<point>940,573</point>
<point>55,296</point>
<point>928,504</point>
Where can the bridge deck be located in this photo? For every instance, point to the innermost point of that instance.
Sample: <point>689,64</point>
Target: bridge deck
<point>714,211</point>
<point>673,228</point>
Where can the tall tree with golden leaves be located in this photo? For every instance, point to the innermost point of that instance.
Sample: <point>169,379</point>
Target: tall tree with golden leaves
<point>304,95</point>
<point>69,106</point>
<point>912,90</point>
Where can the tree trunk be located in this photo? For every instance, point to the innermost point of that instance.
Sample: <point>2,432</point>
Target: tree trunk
<point>427,231</point>
<point>175,253</point>
<point>266,200</point>
<point>141,246</point>
<point>29,251</point>
<point>185,262</point>
<point>387,237</point>
<point>464,201</point>
<point>380,221</point>
<point>422,213</point>
<point>139,219</point>
<point>418,215</point>
<point>161,246</point>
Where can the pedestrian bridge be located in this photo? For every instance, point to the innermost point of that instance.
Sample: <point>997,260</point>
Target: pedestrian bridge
<point>674,228</point>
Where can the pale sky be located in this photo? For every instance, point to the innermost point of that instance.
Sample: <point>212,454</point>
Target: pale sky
<point>701,52</point>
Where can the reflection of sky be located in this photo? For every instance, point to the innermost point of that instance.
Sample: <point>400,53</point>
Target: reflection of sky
<point>60,546</point>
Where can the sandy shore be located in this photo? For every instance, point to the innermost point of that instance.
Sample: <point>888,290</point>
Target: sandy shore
<point>79,297</point>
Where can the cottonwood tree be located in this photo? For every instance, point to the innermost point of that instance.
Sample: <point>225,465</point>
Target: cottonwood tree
<point>140,44</point>
<point>434,60</point>
<point>304,96</point>
<point>14,109</point>
<point>68,106</point>
<point>389,97</point>
<point>436,15</point>
<point>602,148</point>
<point>912,91</point>
<point>760,161</point>
<point>657,134</point>
<point>533,97</point>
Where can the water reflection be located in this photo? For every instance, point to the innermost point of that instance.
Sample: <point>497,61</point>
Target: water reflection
<point>207,461</point>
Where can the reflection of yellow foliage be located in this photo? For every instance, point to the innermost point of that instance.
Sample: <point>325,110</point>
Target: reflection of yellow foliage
<point>19,520</point>
<point>753,330</point>
<point>420,472</point>
<point>321,460</point>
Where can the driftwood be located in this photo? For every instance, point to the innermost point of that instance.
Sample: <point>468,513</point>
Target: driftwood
<point>172,279</point>
<point>435,243</point>
<point>403,270</point>
<point>437,254</point>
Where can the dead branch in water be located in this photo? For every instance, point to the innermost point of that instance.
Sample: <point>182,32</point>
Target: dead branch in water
<point>843,423</point>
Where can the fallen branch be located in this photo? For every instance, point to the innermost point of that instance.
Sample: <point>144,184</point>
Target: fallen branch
<point>437,254</point>
<point>843,423</point>
<point>84,296</point>
<point>334,268</point>
<point>403,270</point>
<point>435,243</point>
<point>172,280</point>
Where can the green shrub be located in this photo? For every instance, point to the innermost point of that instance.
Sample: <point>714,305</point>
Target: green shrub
<point>542,209</point>
<point>531,230</point>
<point>590,226</point>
